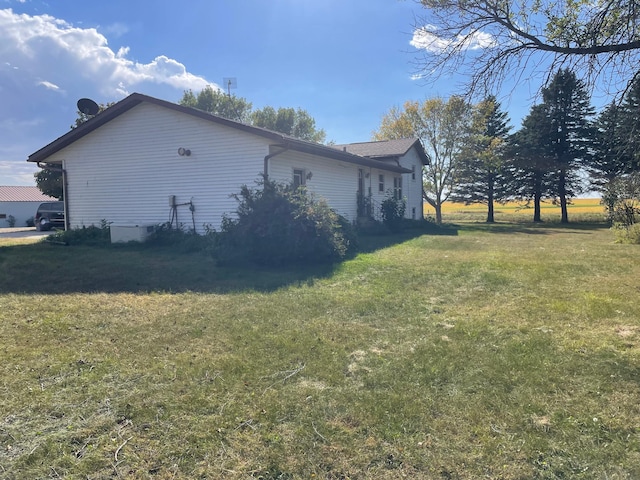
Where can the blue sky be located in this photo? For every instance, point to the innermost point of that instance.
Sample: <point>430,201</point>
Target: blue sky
<point>346,62</point>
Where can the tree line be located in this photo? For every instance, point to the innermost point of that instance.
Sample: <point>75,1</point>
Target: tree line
<point>561,150</point>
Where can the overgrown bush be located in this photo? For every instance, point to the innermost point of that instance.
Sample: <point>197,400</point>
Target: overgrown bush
<point>392,210</point>
<point>183,241</point>
<point>622,200</point>
<point>278,224</point>
<point>630,234</point>
<point>92,235</point>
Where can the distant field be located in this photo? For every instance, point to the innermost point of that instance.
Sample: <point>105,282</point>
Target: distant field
<point>579,207</point>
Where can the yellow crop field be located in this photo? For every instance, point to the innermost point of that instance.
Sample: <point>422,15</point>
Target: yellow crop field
<point>578,206</point>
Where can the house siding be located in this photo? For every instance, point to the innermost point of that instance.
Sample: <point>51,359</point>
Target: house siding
<point>335,181</point>
<point>144,143</point>
<point>412,188</point>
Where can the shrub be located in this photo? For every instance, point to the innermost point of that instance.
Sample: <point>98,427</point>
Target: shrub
<point>11,220</point>
<point>91,235</point>
<point>627,234</point>
<point>622,200</point>
<point>182,241</point>
<point>278,224</point>
<point>392,210</point>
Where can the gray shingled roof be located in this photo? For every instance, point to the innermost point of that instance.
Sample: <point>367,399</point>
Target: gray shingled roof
<point>23,194</point>
<point>384,149</point>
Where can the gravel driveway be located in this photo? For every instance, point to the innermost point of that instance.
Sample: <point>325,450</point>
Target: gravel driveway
<point>23,232</point>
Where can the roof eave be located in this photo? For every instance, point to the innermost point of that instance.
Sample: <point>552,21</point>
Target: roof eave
<point>135,99</point>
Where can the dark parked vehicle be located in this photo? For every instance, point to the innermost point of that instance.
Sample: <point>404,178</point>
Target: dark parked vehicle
<point>49,215</point>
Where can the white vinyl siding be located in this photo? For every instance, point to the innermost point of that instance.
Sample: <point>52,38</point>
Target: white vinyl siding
<point>125,171</point>
<point>412,184</point>
<point>335,181</point>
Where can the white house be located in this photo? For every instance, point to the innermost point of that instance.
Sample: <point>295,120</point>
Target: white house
<point>407,153</point>
<point>146,161</point>
<point>20,203</point>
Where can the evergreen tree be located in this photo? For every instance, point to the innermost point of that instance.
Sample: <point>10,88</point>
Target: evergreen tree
<point>569,110</point>
<point>528,172</point>
<point>630,126</point>
<point>609,158</point>
<point>480,166</point>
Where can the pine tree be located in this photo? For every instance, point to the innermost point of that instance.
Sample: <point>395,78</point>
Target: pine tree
<point>528,172</point>
<point>479,169</point>
<point>569,111</point>
<point>630,126</point>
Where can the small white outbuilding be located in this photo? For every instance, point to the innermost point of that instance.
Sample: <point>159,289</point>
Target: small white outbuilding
<point>18,204</point>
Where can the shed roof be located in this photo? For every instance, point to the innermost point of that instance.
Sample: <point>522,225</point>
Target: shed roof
<point>279,139</point>
<point>23,194</point>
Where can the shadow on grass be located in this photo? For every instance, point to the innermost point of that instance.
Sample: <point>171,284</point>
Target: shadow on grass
<point>532,228</point>
<point>51,269</point>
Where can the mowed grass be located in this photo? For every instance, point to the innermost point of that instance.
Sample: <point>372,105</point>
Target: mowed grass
<point>509,352</point>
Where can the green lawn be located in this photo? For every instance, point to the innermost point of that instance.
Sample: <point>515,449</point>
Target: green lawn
<point>504,352</point>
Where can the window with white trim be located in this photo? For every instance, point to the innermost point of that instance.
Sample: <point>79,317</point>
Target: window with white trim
<point>381,183</point>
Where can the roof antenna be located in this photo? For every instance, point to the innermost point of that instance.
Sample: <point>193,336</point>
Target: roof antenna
<point>230,82</point>
<point>88,107</point>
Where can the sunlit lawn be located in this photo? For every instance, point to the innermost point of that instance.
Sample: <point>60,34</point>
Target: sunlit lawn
<point>507,352</point>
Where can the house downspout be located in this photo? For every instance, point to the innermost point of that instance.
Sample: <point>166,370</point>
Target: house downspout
<point>269,157</point>
<point>65,186</point>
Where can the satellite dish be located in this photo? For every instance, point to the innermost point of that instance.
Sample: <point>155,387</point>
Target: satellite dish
<point>88,106</point>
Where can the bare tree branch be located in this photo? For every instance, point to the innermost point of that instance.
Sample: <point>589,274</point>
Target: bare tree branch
<point>493,39</point>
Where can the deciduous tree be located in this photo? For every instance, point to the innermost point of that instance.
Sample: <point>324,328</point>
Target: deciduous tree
<point>442,127</point>
<point>49,182</point>
<point>217,102</point>
<point>492,39</point>
<point>296,123</point>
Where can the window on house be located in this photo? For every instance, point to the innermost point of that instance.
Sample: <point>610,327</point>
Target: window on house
<point>299,178</point>
<point>413,172</point>
<point>397,188</point>
<point>413,213</point>
<point>381,183</point>
<point>3,216</point>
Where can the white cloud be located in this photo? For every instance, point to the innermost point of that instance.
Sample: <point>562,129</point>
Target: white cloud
<point>47,63</point>
<point>115,29</point>
<point>17,173</point>
<point>42,46</point>
<point>49,85</point>
<point>426,38</point>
